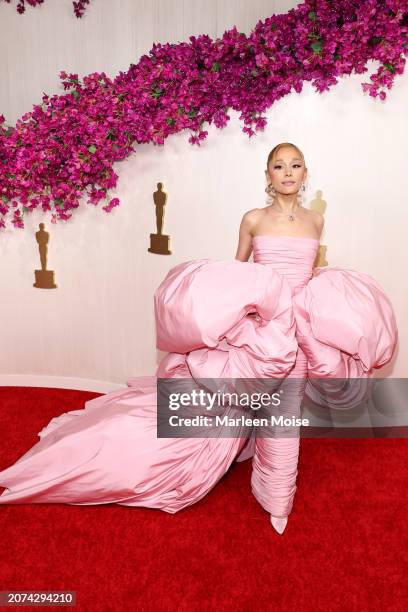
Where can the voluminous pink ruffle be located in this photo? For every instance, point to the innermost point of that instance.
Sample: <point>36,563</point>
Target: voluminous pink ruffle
<point>218,320</point>
<point>341,319</point>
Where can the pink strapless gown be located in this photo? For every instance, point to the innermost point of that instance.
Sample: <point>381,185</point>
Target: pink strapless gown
<point>339,323</point>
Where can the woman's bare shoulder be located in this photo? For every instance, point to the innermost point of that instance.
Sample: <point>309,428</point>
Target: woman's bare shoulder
<point>252,215</point>
<point>317,218</point>
<point>250,219</point>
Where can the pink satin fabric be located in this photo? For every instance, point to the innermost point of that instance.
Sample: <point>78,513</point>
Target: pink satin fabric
<point>275,461</point>
<point>109,452</point>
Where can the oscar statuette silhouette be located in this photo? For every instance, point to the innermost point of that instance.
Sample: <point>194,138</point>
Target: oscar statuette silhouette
<point>159,243</point>
<point>44,279</point>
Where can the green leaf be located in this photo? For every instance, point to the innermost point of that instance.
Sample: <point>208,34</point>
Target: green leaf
<point>169,121</point>
<point>92,148</point>
<point>374,40</point>
<point>157,92</point>
<point>389,67</point>
<point>215,67</point>
<point>312,15</point>
<point>317,46</point>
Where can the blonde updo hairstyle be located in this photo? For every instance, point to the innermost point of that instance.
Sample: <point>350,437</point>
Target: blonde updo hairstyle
<point>269,188</point>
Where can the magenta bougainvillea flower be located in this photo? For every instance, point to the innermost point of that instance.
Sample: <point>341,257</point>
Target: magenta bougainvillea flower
<point>79,7</point>
<point>66,147</point>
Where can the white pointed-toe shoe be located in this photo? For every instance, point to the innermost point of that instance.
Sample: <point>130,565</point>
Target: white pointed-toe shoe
<point>279,523</point>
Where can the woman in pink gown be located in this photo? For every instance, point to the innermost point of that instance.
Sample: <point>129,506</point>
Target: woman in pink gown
<point>220,319</point>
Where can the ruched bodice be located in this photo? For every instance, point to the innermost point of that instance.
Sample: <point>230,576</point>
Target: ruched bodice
<point>291,256</point>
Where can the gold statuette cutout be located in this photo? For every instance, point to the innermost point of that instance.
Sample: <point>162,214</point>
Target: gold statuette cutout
<point>160,243</point>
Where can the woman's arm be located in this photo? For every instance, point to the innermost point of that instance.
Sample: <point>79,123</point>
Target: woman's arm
<point>244,249</point>
<point>319,223</point>
<point>319,220</point>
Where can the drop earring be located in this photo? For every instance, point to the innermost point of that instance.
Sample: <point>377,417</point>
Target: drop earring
<point>270,190</point>
<point>300,195</point>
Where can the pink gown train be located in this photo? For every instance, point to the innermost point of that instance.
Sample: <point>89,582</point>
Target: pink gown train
<point>217,319</point>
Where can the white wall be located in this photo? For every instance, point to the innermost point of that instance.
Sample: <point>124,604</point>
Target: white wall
<point>99,324</point>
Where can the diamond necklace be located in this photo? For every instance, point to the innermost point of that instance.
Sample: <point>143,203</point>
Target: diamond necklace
<point>290,216</point>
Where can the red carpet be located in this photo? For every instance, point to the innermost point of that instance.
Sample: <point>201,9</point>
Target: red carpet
<point>345,546</point>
